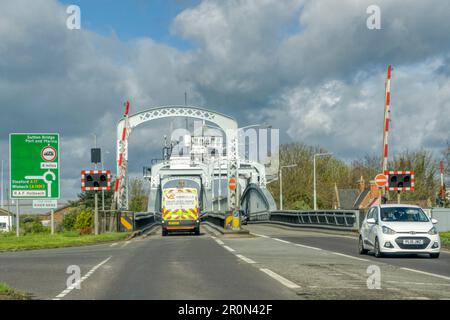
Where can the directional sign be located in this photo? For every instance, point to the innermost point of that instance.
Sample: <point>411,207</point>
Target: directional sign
<point>381,180</point>
<point>232,184</point>
<point>45,204</point>
<point>34,165</point>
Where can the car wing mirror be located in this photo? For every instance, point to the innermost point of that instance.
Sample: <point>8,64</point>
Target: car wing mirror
<point>434,221</point>
<point>371,221</point>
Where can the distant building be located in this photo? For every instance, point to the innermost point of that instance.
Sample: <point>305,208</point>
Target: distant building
<point>6,220</point>
<point>357,198</point>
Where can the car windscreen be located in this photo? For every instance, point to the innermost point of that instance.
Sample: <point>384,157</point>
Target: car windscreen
<point>403,214</point>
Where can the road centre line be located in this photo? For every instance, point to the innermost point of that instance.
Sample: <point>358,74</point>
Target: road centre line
<point>74,285</point>
<point>229,249</point>
<point>282,280</point>
<point>248,260</point>
<point>427,273</point>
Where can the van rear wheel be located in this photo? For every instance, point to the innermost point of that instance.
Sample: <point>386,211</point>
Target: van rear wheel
<point>197,231</point>
<point>164,233</point>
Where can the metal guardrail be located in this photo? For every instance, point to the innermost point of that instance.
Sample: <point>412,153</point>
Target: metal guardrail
<point>145,220</point>
<point>346,220</point>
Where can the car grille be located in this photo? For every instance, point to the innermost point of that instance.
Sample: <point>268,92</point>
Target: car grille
<point>425,244</point>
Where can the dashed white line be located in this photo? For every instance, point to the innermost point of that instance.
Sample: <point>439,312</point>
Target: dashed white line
<point>74,285</point>
<point>260,235</point>
<point>248,260</point>
<point>284,241</point>
<point>114,244</point>
<point>229,249</point>
<point>427,273</point>
<point>347,256</point>
<point>282,280</point>
<point>308,247</point>
<point>125,244</point>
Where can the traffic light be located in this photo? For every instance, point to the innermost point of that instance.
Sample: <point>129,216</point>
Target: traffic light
<point>96,180</point>
<point>400,180</point>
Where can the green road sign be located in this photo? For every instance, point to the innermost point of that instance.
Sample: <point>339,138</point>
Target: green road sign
<point>34,165</point>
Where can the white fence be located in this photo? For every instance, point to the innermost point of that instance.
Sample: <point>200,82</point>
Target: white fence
<point>443,217</point>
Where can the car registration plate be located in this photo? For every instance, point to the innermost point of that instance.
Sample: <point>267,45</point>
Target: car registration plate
<point>174,222</point>
<point>412,241</point>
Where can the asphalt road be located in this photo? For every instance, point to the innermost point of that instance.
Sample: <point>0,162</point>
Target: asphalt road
<point>272,263</point>
<point>349,245</point>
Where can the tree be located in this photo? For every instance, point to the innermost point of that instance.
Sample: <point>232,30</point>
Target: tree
<point>138,194</point>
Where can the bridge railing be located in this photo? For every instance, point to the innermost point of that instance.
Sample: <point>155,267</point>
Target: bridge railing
<point>146,220</point>
<point>347,220</point>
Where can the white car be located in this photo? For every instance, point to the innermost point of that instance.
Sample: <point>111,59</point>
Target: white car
<point>399,229</point>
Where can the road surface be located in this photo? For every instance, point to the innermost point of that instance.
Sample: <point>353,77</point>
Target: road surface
<point>271,263</point>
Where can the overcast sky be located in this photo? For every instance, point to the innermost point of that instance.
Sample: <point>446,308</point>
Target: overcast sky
<point>311,68</point>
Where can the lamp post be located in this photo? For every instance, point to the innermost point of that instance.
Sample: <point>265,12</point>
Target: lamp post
<point>280,173</point>
<point>314,169</point>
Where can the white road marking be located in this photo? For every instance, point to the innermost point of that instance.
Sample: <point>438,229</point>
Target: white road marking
<point>229,249</point>
<point>282,280</point>
<point>420,283</point>
<point>427,273</point>
<point>308,247</point>
<point>125,244</point>
<point>114,244</point>
<point>260,235</point>
<point>347,256</point>
<point>220,242</point>
<point>284,241</point>
<point>74,285</point>
<point>248,260</point>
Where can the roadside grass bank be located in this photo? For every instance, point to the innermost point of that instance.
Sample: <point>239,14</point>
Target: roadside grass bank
<point>7,293</point>
<point>9,241</point>
<point>445,239</point>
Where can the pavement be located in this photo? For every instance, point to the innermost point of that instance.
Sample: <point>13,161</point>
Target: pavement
<point>270,263</point>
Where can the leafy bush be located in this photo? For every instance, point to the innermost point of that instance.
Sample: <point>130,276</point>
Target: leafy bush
<point>84,220</point>
<point>68,222</point>
<point>32,225</point>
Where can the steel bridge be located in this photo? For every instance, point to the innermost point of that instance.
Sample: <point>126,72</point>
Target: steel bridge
<point>212,170</point>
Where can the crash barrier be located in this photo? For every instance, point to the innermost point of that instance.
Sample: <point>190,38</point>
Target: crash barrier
<point>216,218</point>
<point>442,215</point>
<point>345,220</point>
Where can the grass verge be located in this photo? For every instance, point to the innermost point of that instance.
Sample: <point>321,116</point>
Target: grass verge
<point>445,239</point>
<point>9,242</point>
<point>7,293</point>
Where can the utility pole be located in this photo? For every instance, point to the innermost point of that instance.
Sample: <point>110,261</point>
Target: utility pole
<point>442,183</point>
<point>1,189</point>
<point>95,194</point>
<point>314,175</point>
<point>280,174</point>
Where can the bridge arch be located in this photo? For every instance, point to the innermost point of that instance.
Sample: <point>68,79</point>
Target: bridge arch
<point>226,123</point>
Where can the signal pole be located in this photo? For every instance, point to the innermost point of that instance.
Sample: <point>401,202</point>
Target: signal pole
<point>442,183</point>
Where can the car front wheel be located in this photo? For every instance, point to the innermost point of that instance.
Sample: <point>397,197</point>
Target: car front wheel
<point>362,250</point>
<point>378,252</point>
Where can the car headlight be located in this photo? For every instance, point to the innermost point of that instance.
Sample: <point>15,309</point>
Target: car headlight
<point>433,231</point>
<point>387,230</point>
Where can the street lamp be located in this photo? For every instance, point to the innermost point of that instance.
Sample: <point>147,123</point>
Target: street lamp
<point>281,182</point>
<point>314,165</point>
